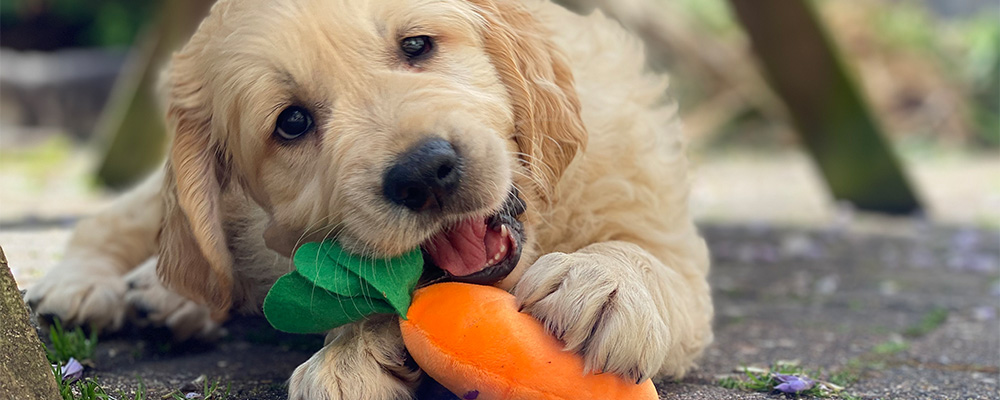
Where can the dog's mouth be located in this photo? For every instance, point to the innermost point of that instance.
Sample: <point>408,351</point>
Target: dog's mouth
<point>480,250</point>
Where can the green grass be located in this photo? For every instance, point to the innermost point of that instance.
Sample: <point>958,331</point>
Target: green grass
<point>140,393</point>
<point>847,375</point>
<point>90,389</point>
<point>85,389</point>
<point>70,344</point>
<point>76,344</point>
<point>759,380</point>
<point>73,344</point>
<point>210,391</point>
<point>891,347</point>
<point>930,321</point>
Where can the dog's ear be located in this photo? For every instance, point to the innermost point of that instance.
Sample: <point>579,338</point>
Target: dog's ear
<point>194,257</point>
<point>549,130</point>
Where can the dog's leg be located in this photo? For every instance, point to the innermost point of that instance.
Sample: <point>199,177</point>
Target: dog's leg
<point>361,361</point>
<point>150,303</point>
<point>625,310</point>
<point>86,287</point>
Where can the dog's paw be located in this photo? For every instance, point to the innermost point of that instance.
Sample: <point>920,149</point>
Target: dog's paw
<point>331,377</point>
<point>152,304</point>
<point>80,292</point>
<point>600,308</point>
<point>361,361</point>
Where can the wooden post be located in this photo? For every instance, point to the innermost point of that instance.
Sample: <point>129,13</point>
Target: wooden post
<point>132,133</point>
<point>837,127</point>
<point>25,372</point>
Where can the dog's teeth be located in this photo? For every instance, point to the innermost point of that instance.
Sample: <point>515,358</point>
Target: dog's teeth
<point>503,231</point>
<point>494,261</point>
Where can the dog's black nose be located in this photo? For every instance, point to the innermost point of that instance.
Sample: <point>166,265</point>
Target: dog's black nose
<point>425,176</point>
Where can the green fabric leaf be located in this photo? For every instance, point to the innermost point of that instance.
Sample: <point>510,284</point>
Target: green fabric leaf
<point>314,262</point>
<point>296,305</point>
<point>393,279</point>
<point>331,287</point>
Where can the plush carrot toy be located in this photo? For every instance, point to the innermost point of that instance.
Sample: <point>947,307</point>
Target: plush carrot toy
<point>470,338</point>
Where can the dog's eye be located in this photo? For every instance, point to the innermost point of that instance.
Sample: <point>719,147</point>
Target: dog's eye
<point>293,122</point>
<point>416,46</point>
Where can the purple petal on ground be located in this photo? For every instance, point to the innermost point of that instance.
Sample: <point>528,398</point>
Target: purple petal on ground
<point>965,240</point>
<point>783,377</point>
<point>72,371</point>
<point>793,384</point>
<point>192,395</point>
<point>984,313</point>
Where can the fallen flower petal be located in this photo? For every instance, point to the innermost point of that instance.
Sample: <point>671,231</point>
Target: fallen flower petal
<point>793,384</point>
<point>192,395</point>
<point>72,371</point>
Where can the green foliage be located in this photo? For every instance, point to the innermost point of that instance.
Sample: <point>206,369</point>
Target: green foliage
<point>86,389</point>
<point>102,22</point>
<point>761,380</point>
<point>848,375</point>
<point>930,321</point>
<point>891,347</point>
<point>906,25</point>
<point>714,15</point>
<point>71,344</point>
<point>982,67</point>
<point>90,389</point>
<point>140,393</point>
<point>210,391</point>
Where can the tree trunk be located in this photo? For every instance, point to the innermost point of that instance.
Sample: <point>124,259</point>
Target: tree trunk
<point>131,132</point>
<point>838,128</point>
<point>25,373</point>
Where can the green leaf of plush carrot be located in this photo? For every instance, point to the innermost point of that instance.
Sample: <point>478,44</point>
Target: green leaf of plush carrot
<point>296,305</point>
<point>321,264</point>
<point>331,287</point>
<point>393,279</point>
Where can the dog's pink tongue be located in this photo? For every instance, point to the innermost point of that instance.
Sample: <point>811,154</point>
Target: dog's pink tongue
<point>462,249</point>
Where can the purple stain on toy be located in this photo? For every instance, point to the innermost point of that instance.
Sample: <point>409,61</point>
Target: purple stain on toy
<point>472,395</point>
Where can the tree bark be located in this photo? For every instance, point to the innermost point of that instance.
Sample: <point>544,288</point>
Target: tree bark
<point>25,373</point>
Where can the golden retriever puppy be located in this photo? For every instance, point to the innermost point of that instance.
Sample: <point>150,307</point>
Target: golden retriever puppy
<point>518,144</point>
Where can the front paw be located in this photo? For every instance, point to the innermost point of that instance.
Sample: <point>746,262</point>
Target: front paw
<point>362,361</point>
<point>151,303</point>
<point>80,292</point>
<point>600,308</point>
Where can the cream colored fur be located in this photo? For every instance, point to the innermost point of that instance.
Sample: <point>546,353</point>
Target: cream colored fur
<point>558,104</point>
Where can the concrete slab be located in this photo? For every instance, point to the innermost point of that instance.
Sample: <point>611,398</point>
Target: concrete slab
<point>909,307</point>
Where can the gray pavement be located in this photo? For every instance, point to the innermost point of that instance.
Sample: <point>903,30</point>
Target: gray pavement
<point>909,308</point>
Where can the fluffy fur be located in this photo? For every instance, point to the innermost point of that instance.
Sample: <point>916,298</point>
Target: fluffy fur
<point>530,94</point>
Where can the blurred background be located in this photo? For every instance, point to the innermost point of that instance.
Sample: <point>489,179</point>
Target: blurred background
<point>76,125</point>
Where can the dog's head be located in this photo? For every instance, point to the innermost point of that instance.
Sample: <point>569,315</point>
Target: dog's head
<point>385,124</point>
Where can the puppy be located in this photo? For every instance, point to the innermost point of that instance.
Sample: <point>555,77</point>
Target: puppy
<point>518,144</point>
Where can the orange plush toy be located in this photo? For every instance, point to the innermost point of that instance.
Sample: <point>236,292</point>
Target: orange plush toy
<point>469,338</point>
<point>472,340</point>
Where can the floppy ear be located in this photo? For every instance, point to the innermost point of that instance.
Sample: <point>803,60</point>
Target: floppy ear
<point>194,257</point>
<point>540,83</point>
